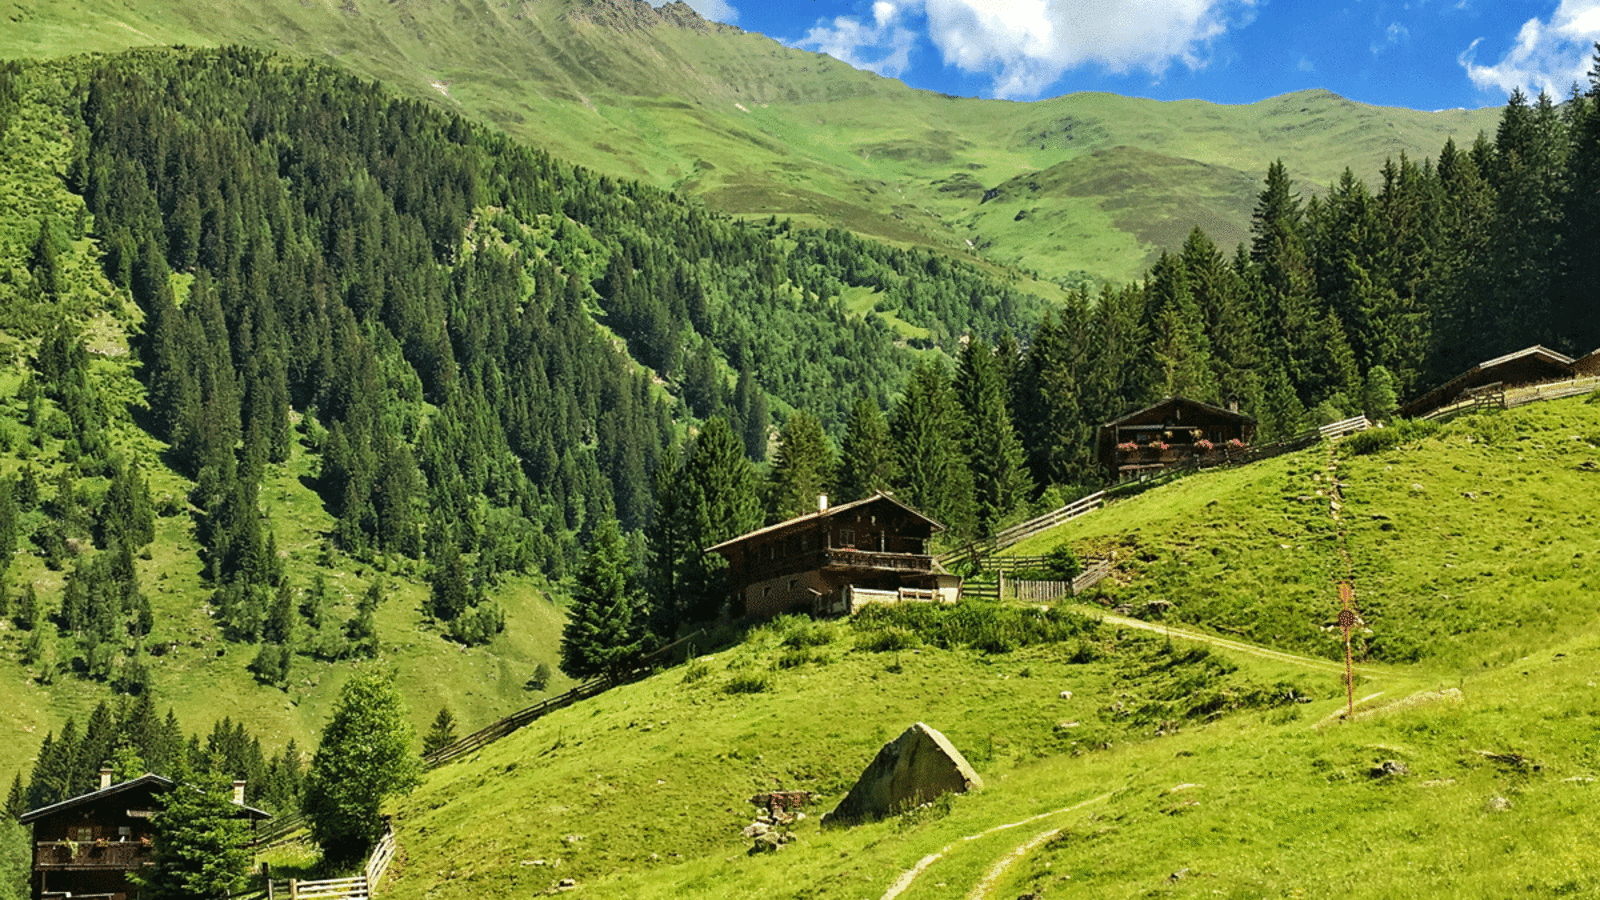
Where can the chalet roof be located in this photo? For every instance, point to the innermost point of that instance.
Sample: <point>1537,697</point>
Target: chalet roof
<point>879,497</point>
<point>1173,402</point>
<point>1588,365</point>
<point>1486,373</point>
<point>159,782</point>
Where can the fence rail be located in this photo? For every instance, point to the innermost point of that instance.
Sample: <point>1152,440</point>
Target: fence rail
<point>1020,532</point>
<point>1335,430</point>
<point>488,735</point>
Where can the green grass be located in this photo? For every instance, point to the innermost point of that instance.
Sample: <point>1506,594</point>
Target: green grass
<point>1170,770</point>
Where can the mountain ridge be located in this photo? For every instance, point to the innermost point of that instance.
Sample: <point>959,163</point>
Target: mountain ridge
<point>757,128</point>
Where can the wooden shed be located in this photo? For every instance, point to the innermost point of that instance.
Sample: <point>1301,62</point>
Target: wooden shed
<point>86,846</point>
<point>1531,365</point>
<point>1169,433</point>
<point>837,560</point>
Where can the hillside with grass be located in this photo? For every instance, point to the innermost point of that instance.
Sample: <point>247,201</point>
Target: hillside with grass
<point>1123,762</point>
<point>1085,188</point>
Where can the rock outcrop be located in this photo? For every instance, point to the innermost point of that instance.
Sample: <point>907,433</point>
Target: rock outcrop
<point>914,768</point>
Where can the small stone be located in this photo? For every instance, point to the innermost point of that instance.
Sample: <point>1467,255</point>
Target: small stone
<point>1066,695</point>
<point>567,884</point>
<point>1498,804</point>
<point>757,829</point>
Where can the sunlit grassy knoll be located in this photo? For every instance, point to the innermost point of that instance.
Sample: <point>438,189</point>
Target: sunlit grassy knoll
<point>1468,547</point>
<point>645,787</point>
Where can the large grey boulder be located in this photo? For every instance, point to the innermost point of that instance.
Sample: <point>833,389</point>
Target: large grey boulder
<point>912,769</point>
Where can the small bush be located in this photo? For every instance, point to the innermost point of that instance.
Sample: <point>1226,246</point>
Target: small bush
<point>1377,440</point>
<point>799,632</point>
<point>748,683</point>
<point>696,671</point>
<point>888,639</point>
<point>794,657</point>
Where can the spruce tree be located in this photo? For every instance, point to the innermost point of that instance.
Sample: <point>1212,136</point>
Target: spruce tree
<point>866,459</point>
<point>993,450</point>
<point>802,470</point>
<point>442,734</point>
<point>925,431</point>
<point>604,630</point>
<point>719,502</point>
<point>199,841</point>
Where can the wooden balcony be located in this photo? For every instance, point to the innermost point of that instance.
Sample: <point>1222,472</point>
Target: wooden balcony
<point>91,855</point>
<point>839,558</point>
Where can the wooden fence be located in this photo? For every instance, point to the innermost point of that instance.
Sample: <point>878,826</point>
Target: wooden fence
<point>1020,532</point>
<point>1028,591</point>
<point>485,736</point>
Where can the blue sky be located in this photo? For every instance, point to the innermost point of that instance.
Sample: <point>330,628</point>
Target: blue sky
<point>1423,54</point>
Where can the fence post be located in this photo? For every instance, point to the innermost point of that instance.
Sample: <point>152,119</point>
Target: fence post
<point>294,889</point>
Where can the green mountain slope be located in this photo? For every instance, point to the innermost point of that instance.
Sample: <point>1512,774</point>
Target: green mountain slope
<point>1169,768</point>
<point>756,128</point>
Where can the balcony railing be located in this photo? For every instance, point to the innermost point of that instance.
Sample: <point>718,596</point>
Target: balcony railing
<point>862,559</point>
<point>91,855</point>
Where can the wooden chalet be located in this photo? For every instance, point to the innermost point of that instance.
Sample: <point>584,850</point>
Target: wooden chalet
<point>1169,433</point>
<point>837,560</point>
<point>85,847</point>
<point>1587,366</point>
<point>1532,365</point>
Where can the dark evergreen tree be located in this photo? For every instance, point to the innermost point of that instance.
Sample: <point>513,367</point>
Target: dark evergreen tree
<point>441,734</point>
<point>866,459</point>
<point>200,842</point>
<point>605,628</point>
<point>993,451</point>
<point>925,431</point>
<point>802,471</point>
<point>719,502</point>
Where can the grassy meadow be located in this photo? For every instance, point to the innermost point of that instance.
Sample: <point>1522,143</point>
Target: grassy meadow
<point>1170,769</point>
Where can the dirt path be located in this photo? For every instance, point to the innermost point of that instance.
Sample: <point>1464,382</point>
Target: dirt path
<point>1200,637</point>
<point>909,877</point>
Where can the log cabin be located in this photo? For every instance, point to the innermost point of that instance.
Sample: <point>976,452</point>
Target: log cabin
<point>85,846</point>
<point>837,560</point>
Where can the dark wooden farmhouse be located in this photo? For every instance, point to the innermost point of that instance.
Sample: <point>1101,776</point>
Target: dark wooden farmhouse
<point>1532,365</point>
<point>1170,433</point>
<point>838,559</point>
<point>86,846</point>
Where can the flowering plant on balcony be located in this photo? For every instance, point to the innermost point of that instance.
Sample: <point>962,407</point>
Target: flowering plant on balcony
<point>1158,446</point>
<point>1127,446</point>
<point>1204,446</point>
<point>1235,444</point>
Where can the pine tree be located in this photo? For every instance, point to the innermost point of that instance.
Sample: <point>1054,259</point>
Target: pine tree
<point>993,451</point>
<point>866,463</point>
<point>719,502</point>
<point>199,841</point>
<point>925,431</point>
<point>604,631</point>
<point>442,734</point>
<point>803,469</point>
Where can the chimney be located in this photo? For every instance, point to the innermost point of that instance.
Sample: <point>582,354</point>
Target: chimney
<point>105,777</point>
<point>238,792</point>
<point>822,503</point>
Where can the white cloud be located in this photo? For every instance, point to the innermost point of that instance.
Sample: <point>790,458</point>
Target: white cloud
<point>1025,45</point>
<point>883,46</point>
<point>1395,35</point>
<point>1548,56</point>
<point>715,10</point>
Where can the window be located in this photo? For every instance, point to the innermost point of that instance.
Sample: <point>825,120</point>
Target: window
<point>847,537</point>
